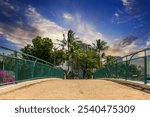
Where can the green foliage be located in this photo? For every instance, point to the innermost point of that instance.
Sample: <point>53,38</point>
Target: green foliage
<point>86,60</point>
<point>132,70</point>
<point>71,43</point>
<point>59,57</point>
<point>110,60</point>
<point>100,47</point>
<point>41,48</point>
<point>72,50</point>
<point>28,49</point>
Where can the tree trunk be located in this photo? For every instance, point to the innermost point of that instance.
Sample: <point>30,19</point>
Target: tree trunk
<point>68,60</point>
<point>99,60</point>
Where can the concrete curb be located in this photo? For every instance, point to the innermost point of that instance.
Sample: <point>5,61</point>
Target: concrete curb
<point>135,85</point>
<point>14,87</point>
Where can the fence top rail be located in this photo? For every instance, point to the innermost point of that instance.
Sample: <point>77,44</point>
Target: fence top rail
<point>136,52</point>
<point>132,54</point>
<point>27,55</point>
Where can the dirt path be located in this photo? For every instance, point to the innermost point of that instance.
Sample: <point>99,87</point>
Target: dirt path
<point>72,89</point>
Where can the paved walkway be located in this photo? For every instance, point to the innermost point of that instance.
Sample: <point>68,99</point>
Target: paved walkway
<point>71,89</point>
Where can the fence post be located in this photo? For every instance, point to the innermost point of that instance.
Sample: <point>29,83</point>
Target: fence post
<point>145,68</point>
<point>33,68</point>
<point>3,62</point>
<point>116,70</point>
<point>126,77</point>
<point>107,71</point>
<point>16,67</point>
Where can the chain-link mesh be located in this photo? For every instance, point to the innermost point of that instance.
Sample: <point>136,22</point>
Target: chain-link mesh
<point>134,67</point>
<point>16,66</point>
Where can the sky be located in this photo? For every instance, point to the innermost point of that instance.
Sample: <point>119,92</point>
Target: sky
<point>123,24</point>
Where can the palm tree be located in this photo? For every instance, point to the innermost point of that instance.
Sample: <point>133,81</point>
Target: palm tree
<point>62,42</point>
<point>100,47</point>
<point>71,43</point>
<point>109,60</point>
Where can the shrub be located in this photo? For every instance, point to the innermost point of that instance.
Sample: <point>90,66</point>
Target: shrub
<point>7,77</point>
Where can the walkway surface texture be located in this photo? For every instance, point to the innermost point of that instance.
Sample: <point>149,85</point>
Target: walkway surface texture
<point>71,89</point>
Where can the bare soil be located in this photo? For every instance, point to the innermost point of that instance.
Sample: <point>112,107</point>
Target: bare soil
<point>72,89</point>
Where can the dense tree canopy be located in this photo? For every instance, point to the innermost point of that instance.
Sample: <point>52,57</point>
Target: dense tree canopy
<point>41,48</point>
<point>81,58</point>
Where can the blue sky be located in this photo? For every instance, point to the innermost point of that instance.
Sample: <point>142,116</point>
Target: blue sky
<point>124,24</point>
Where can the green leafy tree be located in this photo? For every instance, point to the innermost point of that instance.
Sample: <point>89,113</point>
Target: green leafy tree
<point>62,43</point>
<point>72,44</point>
<point>100,47</point>
<point>59,57</point>
<point>41,48</point>
<point>132,70</point>
<point>71,51</point>
<point>109,60</point>
<point>86,61</point>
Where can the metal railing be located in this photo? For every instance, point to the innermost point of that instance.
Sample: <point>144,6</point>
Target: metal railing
<point>135,66</point>
<point>16,66</point>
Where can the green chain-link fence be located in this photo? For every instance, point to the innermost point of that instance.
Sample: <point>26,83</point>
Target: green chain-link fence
<point>16,66</point>
<point>135,66</point>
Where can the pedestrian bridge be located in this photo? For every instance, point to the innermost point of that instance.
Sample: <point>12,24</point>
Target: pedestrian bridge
<point>17,67</point>
<point>44,80</point>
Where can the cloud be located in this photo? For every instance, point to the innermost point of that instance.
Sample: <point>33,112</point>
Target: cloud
<point>116,14</point>
<point>127,41</point>
<point>88,34</point>
<point>148,41</point>
<point>67,16</point>
<point>116,17</point>
<point>135,12</point>
<point>22,33</point>
<point>8,5</point>
<point>83,29</point>
<point>125,1</point>
<point>16,35</point>
<point>130,11</point>
<point>122,47</point>
<point>44,26</point>
<point>130,6</point>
